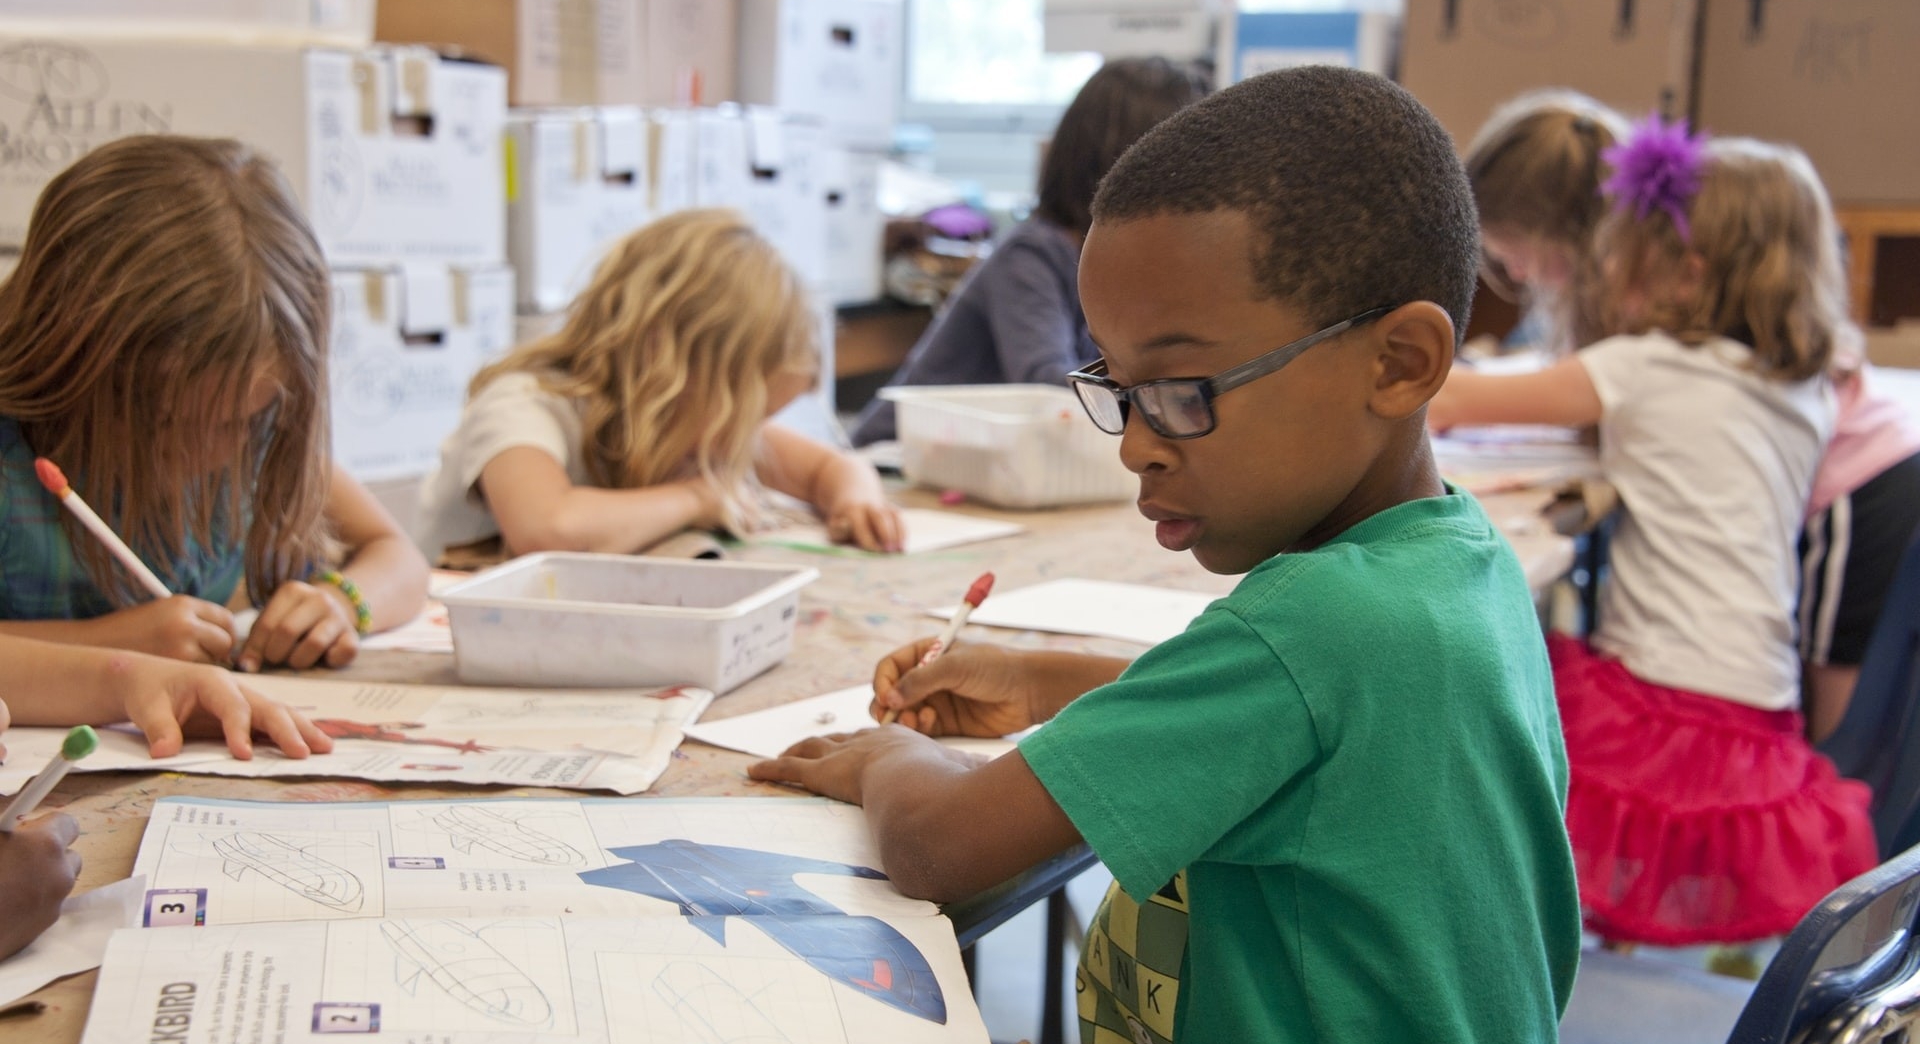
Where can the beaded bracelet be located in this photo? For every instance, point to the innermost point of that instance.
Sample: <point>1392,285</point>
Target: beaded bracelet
<point>362,612</point>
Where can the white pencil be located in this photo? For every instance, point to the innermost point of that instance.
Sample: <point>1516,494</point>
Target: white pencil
<point>56,482</point>
<point>79,743</point>
<point>975,595</point>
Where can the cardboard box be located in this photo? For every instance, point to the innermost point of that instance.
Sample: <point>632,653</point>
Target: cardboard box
<point>577,183</point>
<point>1254,42</point>
<point>347,23</point>
<point>786,200</point>
<point>855,227</point>
<point>584,52</point>
<point>690,52</point>
<point>1462,58</point>
<point>839,60</point>
<point>394,152</point>
<point>1835,77</point>
<point>1118,31</point>
<point>671,149</point>
<point>721,174</point>
<point>406,340</point>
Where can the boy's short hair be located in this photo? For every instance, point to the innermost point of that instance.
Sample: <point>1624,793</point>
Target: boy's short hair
<point>1356,196</point>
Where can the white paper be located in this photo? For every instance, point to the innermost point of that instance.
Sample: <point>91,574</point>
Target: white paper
<point>430,632</point>
<point>591,739</point>
<point>1129,612</point>
<point>76,941</point>
<point>926,531</point>
<point>768,733</point>
<point>705,919</point>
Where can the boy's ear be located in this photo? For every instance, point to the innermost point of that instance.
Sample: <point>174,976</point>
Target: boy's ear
<point>1413,352</point>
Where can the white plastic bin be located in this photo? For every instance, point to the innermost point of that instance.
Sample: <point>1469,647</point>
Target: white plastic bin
<point>1012,445</point>
<point>558,619</point>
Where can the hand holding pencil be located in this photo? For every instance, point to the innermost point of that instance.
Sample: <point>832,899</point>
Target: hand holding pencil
<point>178,627</point>
<point>974,596</point>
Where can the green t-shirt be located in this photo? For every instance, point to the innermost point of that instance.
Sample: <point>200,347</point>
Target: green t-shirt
<point>1356,759</point>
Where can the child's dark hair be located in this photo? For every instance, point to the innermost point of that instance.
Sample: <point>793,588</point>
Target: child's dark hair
<point>1120,102</point>
<point>1355,194</point>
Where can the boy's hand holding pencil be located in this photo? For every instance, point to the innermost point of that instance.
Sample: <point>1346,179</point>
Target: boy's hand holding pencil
<point>974,690</point>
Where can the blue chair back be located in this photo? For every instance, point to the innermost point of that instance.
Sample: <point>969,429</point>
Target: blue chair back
<point>1881,727</point>
<point>1848,964</point>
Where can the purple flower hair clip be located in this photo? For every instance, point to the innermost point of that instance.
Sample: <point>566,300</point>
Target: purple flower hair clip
<point>1658,166</point>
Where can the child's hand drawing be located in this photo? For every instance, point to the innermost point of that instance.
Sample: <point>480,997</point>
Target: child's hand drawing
<point>871,525</point>
<point>178,628</point>
<point>302,625</point>
<point>39,866</point>
<point>970,690</point>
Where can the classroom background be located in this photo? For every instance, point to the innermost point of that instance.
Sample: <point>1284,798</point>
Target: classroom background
<point>464,162</point>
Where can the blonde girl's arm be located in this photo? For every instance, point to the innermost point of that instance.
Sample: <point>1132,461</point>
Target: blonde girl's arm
<point>843,488</point>
<point>1561,394</point>
<point>538,508</point>
<point>51,684</point>
<point>316,621</point>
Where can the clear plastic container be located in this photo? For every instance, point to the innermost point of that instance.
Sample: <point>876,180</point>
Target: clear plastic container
<point>1011,445</point>
<point>564,620</point>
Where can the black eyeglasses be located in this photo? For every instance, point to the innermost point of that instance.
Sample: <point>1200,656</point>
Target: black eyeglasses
<point>1182,407</point>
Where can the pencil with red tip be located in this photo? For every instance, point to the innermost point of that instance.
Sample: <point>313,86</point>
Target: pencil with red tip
<point>56,482</point>
<point>975,595</point>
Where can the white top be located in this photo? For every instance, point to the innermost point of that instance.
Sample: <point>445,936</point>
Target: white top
<point>512,410</point>
<point>1714,464</point>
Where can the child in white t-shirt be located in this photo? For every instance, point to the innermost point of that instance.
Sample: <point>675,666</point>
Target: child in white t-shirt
<point>646,413</point>
<point>1698,812</point>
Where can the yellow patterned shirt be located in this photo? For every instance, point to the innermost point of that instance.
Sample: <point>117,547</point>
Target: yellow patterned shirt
<point>1128,982</point>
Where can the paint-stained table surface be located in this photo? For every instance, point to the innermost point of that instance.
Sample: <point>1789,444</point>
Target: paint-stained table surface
<point>861,608</point>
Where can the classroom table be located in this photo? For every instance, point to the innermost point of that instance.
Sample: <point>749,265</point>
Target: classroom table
<point>862,607</point>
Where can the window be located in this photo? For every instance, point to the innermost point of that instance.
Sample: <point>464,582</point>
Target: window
<point>980,64</point>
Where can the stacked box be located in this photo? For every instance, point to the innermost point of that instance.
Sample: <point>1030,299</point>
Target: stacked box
<point>395,154</point>
<point>584,52</point>
<point>577,181</point>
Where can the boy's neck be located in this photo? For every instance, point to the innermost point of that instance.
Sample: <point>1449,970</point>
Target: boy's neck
<point>1404,472</point>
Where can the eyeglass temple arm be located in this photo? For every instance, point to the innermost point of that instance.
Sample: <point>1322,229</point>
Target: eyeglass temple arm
<point>1227,380</point>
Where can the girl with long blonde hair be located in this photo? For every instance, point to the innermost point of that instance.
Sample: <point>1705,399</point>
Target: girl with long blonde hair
<point>163,341</point>
<point>1698,811</point>
<point>647,412</point>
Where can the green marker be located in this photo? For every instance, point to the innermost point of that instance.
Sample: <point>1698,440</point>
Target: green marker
<point>79,743</point>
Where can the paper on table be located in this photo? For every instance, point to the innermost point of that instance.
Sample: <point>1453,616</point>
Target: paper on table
<point>482,919</point>
<point>768,733</point>
<point>76,942</point>
<point>927,530</point>
<point>430,632</point>
<point>1129,612</point>
<point>617,740</point>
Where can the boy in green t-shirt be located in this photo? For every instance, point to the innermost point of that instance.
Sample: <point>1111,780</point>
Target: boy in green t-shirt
<point>1334,803</point>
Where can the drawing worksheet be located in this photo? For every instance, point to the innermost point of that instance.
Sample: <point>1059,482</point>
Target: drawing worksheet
<point>589,739</point>
<point>628,922</point>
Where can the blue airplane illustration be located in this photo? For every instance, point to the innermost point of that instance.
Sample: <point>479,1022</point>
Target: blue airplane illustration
<point>714,882</point>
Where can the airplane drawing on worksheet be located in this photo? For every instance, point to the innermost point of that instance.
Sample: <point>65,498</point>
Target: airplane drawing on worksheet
<point>293,868</point>
<point>468,969</point>
<point>714,882</point>
<point>468,827</point>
